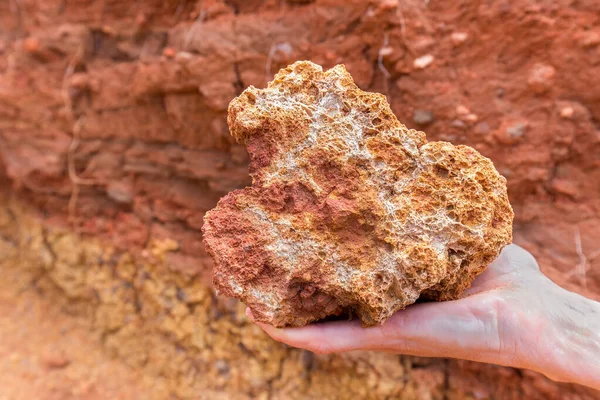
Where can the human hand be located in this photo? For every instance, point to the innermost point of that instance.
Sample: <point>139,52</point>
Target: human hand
<point>513,315</point>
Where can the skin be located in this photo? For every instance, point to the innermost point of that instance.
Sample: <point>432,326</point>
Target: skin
<point>513,315</point>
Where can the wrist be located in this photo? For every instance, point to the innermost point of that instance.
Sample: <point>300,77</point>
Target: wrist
<point>568,347</point>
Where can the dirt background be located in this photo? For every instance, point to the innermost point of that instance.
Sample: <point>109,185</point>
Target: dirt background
<point>113,144</point>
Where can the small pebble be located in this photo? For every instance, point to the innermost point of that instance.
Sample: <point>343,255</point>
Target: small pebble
<point>459,38</point>
<point>386,51</point>
<point>423,61</point>
<point>510,133</point>
<point>423,117</point>
<point>472,118</point>
<point>589,39</point>
<point>388,4</point>
<point>183,56</point>
<point>567,112</point>
<point>457,123</point>
<point>169,52</point>
<point>222,366</point>
<point>31,45</point>
<point>517,130</point>
<point>541,78</point>
<point>566,187</point>
<point>483,128</point>
<point>121,192</point>
<point>462,110</point>
<point>55,359</point>
<point>424,43</point>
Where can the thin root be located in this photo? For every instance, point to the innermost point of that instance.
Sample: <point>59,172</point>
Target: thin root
<point>65,88</point>
<point>195,25</point>
<point>75,179</point>
<point>402,20</point>
<point>582,265</point>
<point>72,205</point>
<point>269,64</point>
<point>71,157</point>
<point>17,9</point>
<point>179,10</point>
<point>382,68</point>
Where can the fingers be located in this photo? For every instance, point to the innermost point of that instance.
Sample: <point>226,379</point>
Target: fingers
<point>331,337</point>
<point>460,329</point>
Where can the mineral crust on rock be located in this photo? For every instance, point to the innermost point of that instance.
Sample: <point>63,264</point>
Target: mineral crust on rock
<point>349,211</point>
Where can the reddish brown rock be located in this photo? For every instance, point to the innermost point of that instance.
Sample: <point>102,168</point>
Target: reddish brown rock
<point>54,358</point>
<point>349,211</point>
<point>541,78</point>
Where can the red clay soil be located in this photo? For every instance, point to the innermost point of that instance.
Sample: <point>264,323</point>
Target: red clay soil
<point>112,128</point>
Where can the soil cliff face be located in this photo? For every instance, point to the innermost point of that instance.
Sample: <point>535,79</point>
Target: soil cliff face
<point>114,143</point>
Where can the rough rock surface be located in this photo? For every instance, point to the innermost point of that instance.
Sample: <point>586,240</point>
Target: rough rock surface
<point>349,211</point>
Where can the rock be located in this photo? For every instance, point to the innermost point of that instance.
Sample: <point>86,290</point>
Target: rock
<point>169,52</point>
<point>386,5</point>
<point>482,128</point>
<point>54,359</point>
<point>567,112</point>
<point>471,118</point>
<point>511,132</point>
<point>31,45</point>
<point>465,114</point>
<point>349,211</point>
<point>457,123</point>
<point>424,43</point>
<point>459,38</point>
<point>386,51</point>
<point>462,110</point>
<point>567,187</point>
<point>423,61</point>
<point>120,191</point>
<point>589,39</point>
<point>541,78</point>
<point>423,117</point>
<point>517,130</point>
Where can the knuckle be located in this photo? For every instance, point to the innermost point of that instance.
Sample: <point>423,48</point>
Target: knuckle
<point>521,257</point>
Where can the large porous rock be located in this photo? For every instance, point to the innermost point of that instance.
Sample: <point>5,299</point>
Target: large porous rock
<point>349,211</point>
